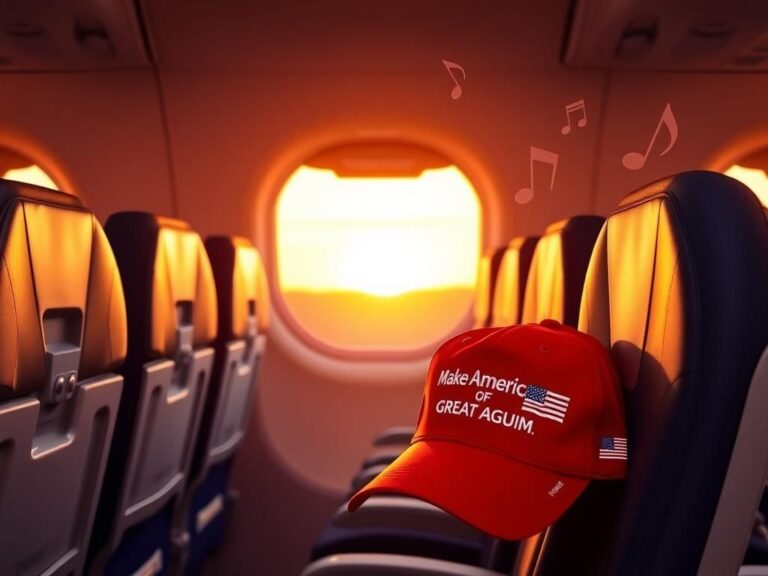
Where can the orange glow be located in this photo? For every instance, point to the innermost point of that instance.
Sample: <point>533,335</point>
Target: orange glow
<point>32,174</point>
<point>755,178</point>
<point>379,236</point>
<point>483,297</point>
<point>373,262</point>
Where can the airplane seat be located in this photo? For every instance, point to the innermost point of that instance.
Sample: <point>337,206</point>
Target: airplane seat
<point>487,283</point>
<point>62,333</point>
<point>511,281</point>
<point>239,346</point>
<point>560,261</point>
<point>675,289</point>
<point>172,320</point>
<point>554,265</point>
<point>553,290</point>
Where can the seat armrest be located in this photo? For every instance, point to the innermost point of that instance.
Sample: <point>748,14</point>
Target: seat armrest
<point>396,435</point>
<point>406,513</point>
<point>390,565</point>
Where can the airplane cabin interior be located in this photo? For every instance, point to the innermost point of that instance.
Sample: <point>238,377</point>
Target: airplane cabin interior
<point>426,287</point>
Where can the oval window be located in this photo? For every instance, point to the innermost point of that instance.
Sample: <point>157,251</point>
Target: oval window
<point>377,246</point>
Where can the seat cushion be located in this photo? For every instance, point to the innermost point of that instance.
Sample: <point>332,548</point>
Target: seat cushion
<point>145,545</point>
<point>208,515</point>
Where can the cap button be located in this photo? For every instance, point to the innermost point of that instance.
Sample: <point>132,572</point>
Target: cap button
<point>549,323</point>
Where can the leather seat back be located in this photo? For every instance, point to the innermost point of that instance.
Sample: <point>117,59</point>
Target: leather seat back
<point>556,278</point>
<point>237,269</point>
<point>550,288</point>
<point>676,289</point>
<point>62,330</point>
<point>511,280</point>
<point>172,320</point>
<point>240,285</point>
<point>487,283</point>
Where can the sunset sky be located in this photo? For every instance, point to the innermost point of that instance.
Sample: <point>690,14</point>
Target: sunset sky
<point>31,174</point>
<point>752,177</point>
<point>377,236</point>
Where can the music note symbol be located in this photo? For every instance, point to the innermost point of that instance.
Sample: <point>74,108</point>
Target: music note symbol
<point>525,195</point>
<point>571,109</point>
<point>457,90</point>
<point>636,160</point>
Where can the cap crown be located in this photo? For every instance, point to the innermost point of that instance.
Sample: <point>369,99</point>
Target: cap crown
<point>542,394</point>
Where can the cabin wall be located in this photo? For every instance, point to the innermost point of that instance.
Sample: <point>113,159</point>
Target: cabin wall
<point>720,117</point>
<point>102,130</point>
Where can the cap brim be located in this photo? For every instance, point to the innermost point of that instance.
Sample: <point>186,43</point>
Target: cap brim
<point>497,495</point>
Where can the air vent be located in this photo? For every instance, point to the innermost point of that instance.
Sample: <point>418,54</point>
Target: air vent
<point>39,35</point>
<point>756,55</point>
<point>661,35</point>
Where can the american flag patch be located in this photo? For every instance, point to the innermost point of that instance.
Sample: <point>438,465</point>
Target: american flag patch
<point>612,448</point>
<point>545,403</point>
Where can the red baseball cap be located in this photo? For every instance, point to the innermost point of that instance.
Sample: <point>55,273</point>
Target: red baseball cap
<point>514,424</point>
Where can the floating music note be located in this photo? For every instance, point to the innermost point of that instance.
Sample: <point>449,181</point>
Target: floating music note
<point>636,160</point>
<point>573,108</point>
<point>525,195</point>
<point>457,90</point>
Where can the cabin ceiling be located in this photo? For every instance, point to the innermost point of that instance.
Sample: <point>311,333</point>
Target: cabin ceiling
<point>394,37</point>
<point>296,36</point>
<point>53,35</point>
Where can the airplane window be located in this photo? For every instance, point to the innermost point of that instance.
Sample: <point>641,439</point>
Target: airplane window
<point>753,171</point>
<point>14,166</point>
<point>384,261</point>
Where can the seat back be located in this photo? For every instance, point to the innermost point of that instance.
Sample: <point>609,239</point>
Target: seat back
<point>172,320</point>
<point>551,288</point>
<point>558,268</point>
<point>676,289</point>
<point>511,280</point>
<point>487,274</point>
<point>62,329</point>
<point>236,268</point>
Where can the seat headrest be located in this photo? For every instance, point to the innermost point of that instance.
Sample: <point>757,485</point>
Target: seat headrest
<point>676,288</point>
<point>510,283</point>
<point>60,290</point>
<point>487,274</point>
<point>168,284</point>
<point>557,272</point>
<point>237,271</point>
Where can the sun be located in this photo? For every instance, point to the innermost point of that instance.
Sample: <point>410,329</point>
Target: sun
<point>381,263</point>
